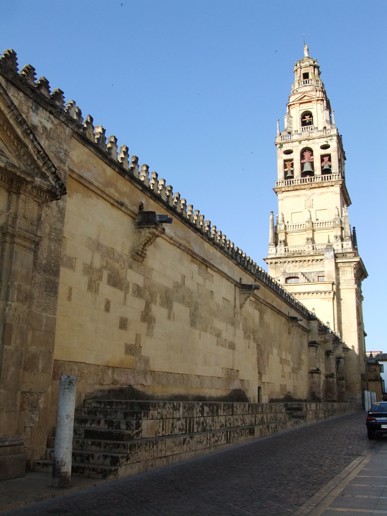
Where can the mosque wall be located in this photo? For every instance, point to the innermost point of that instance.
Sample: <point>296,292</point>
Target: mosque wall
<point>108,275</point>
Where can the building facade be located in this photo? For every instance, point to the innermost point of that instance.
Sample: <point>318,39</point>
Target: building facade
<point>313,250</point>
<point>109,276</point>
<point>382,360</point>
<point>375,380</point>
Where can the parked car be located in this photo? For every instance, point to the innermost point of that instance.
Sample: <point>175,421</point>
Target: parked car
<point>377,419</point>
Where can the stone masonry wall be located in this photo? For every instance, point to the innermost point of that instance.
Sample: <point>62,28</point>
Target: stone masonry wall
<point>164,433</point>
<point>124,283</point>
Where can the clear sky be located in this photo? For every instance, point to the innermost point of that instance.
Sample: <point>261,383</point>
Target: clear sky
<point>194,88</point>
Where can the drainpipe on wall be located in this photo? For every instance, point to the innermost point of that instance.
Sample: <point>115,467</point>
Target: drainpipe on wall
<point>61,471</point>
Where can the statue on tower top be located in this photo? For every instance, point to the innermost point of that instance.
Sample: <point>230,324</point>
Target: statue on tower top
<point>306,50</point>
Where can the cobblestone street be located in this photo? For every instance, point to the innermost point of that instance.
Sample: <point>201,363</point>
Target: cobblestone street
<point>271,476</point>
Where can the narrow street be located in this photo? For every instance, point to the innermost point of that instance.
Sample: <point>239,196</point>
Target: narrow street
<point>271,476</point>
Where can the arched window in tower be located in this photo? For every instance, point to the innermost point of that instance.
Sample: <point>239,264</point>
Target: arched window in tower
<point>307,165</point>
<point>326,164</point>
<point>288,169</point>
<point>306,120</point>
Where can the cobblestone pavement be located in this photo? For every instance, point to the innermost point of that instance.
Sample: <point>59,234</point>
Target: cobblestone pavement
<point>271,476</point>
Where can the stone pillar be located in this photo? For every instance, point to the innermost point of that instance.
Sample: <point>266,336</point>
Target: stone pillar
<point>340,378</point>
<point>330,376</point>
<point>61,472</point>
<point>315,393</point>
<point>314,350</point>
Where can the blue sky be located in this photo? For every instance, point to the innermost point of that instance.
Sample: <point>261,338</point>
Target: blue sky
<point>194,88</point>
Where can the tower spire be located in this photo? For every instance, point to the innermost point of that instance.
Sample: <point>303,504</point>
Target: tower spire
<point>312,207</point>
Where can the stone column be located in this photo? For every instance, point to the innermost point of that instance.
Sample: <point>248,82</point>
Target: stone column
<point>340,378</point>
<point>314,371</point>
<point>61,472</point>
<point>314,350</point>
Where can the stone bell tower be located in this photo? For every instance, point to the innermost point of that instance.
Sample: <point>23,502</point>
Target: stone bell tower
<point>312,248</point>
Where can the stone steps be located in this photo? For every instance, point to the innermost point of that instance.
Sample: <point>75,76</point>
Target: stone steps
<point>89,432</point>
<point>94,471</point>
<point>108,423</point>
<point>104,445</point>
<point>104,431</point>
<point>124,404</point>
<point>108,438</point>
<point>109,413</point>
<point>92,457</point>
<point>116,437</point>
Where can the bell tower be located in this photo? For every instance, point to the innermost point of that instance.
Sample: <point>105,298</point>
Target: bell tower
<point>313,250</point>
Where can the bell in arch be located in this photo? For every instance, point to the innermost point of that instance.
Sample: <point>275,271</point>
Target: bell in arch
<point>289,172</point>
<point>307,169</point>
<point>326,165</point>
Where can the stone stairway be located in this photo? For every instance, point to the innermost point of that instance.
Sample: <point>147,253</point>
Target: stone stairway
<point>120,437</point>
<point>107,439</point>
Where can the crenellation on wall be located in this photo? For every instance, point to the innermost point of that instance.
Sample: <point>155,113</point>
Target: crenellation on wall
<point>73,111</point>
<point>28,73</point>
<point>88,128</point>
<point>169,194</point>
<point>112,148</point>
<point>57,96</point>
<point>143,174</point>
<point>9,59</point>
<point>133,168</point>
<point>123,157</point>
<point>100,137</point>
<point>43,87</point>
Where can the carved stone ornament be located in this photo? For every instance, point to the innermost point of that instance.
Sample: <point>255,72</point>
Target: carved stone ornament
<point>149,226</point>
<point>144,239</point>
<point>32,165</point>
<point>246,291</point>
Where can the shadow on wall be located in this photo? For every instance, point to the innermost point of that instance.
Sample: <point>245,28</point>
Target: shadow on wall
<point>131,393</point>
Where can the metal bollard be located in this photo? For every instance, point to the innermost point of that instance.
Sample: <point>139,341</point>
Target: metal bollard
<point>61,470</point>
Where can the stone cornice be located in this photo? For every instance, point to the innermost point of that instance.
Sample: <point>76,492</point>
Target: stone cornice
<point>319,293</point>
<point>291,259</point>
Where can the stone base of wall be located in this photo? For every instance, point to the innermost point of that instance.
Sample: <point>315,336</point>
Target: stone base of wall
<point>13,457</point>
<point>118,437</point>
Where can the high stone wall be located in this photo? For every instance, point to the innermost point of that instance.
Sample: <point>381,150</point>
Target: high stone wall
<point>180,310</point>
<point>171,309</point>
